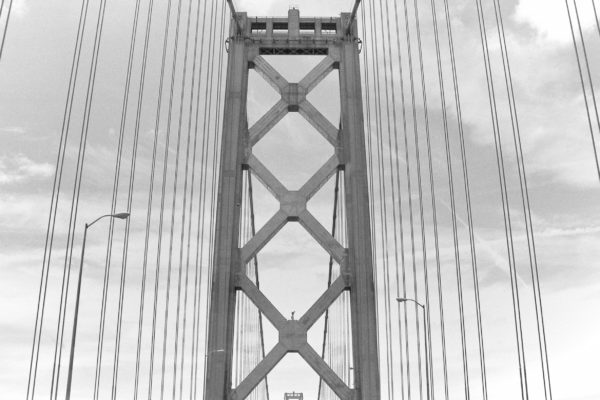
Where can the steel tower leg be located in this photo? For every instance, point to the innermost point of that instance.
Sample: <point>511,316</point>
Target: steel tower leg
<point>226,252</point>
<point>326,37</point>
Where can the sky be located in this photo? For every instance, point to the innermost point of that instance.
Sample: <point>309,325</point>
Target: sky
<point>564,188</point>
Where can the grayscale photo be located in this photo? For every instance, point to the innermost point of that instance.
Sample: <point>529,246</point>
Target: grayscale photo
<point>299,199</point>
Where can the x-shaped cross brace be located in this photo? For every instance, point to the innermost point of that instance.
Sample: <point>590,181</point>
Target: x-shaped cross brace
<point>293,333</point>
<point>293,98</point>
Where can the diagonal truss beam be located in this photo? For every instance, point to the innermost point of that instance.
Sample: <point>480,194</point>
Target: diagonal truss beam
<point>316,182</point>
<point>324,302</point>
<point>267,121</point>
<point>317,74</point>
<point>303,106</point>
<point>319,122</point>
<point>259,373</point>
<point>261,301</point>
<point>280,350</point>
<point>265,176</point>
<point>321,235</point>
<point>263,236</point>
<point>319,365</point>
<point>306,219</point>
<point>269,73</point>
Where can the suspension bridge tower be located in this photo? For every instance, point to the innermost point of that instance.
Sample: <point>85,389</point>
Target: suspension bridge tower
<point>336,40</point>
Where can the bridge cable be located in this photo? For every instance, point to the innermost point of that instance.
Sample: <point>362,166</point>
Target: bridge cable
<point>381,179</point>
<point>174,198</point>
<point>200,228</point>
<point>191,203</point>
<point>215,169</point>
<point>330,272</point>
<point>56,187</point>
<point>150,196</point>
<point>129,197</point>
<point>206,129</point>
<point>199,256</point>
<point>596,16</point>
<point>260,316</point>
<point>430,387</point>
<point>75,204</point>
<point>467,191</point>
<point>419,185</point>
<point>435,220</point>
<point>583,86</point>
<point>184,196</point>
<point>452,202</point>
<point>587,64</point>
<point>541,331</point>
<point>149,207</point>
<point>386,267</point>
<point>5,25</point>
<point>505,204</point>
<point>402,260</point>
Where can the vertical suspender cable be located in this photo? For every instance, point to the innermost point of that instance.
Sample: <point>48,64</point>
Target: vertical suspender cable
<point>526,204</point>
<point>505,204</point>
<point>150,196</point>
<point>201,225</point>
<point>173,202</point>
<point>400,213</point>
<point>5,26</point>
<point>199,257</point>
<point>428,348</point>
<point>56,186</point>
<point>184,195</point>
<point>75,201</point>
<point>260,316</point>
<point>191,202</point>
<point>467,191</point>
<point>395,167</point>
<point>214,183</point>
<point>587,64</point>
<point>587,106</point>
<point>369,134</point>
<point>434,212</point>
<point>596,16</point>
<point>329,273</point>
<point>216,146</point>
<point>124,112</point>
<point>412,234</point>
<point>386,265</point>
<point>381,177</point>
<point>149,208</point>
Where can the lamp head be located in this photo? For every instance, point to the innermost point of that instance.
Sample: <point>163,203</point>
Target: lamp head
<point>123,215</point>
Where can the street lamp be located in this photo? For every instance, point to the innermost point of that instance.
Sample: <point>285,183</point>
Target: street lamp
<point>426,332</point>
<point>123,215</point>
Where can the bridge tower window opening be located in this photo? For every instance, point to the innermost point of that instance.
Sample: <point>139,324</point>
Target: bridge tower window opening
<point>280,28</point>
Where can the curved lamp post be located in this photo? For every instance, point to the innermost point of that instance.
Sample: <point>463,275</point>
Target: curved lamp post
<point>426,331</point>
<point>123,215</point>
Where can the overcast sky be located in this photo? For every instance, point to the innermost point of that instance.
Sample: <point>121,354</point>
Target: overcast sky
<point>564,187</point>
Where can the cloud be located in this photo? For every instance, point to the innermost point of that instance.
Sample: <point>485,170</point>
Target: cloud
<point>549,18</point>
<point>18,168</point>
<point>13,130</point>
<point>19,7</point>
